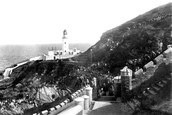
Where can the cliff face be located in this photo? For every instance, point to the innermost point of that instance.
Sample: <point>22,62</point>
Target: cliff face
<point>135,42</point>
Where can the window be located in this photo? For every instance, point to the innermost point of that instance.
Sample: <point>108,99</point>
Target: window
<point>74,49</point>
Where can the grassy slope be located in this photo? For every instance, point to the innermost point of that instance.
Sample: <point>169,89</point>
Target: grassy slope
<point>133,35</point>
<point>115,51</point>
<point>116,45</point>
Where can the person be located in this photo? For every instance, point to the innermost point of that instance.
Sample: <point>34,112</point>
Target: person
<point>111,89</point>
<point>105,89</point>
<point>87,82</point>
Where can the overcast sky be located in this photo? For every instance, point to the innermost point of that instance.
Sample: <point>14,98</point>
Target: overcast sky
<point>43,21</point>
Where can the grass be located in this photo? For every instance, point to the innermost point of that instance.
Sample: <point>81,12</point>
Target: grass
<point>120,43</point>
<point>114,49</point>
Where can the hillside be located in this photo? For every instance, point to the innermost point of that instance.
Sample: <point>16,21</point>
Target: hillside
<point>133,43</point>
<point>26,88</point>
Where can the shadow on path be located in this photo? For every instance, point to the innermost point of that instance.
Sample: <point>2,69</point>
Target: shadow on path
<point>109,108</point>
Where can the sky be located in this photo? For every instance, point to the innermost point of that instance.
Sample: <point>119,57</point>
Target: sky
<point>43,21</point>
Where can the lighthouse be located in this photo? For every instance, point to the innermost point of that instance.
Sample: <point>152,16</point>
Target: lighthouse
<point>65,52</point>
<point>65,43</point>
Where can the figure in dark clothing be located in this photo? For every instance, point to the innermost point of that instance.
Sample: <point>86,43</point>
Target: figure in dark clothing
<point>118,90</point>
<point>111,89</point>
<point>105,89</point>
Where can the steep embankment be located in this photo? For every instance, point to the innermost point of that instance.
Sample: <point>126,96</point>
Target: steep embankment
<point>27,86</point>
<point>152,95</point>
<point>135,42</point>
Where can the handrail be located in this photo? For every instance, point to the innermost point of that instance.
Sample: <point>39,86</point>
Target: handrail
<point>65,104</point>
<point>76,110</point>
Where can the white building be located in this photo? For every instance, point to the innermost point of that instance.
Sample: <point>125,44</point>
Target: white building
<point>65,52</point>
<point>65,44</point>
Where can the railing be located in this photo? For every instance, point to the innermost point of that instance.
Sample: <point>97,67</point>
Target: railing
<point>166,56</point>
<point>82,101</point>
<point>83,97</point>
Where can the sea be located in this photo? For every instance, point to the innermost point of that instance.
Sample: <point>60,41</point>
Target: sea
<point>12,54</point>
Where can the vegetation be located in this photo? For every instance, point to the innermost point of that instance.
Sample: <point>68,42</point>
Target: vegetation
<point>140,39</point>
<point>134,44</point>
<point>25,81</point>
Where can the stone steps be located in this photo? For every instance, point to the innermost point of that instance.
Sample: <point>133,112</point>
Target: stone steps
<point>135,101</point>
<point>164,81</point>
<point>159,84</point>
<point>151,91</point>
<point>145,93</point>
<point>139,96</point>
<point>167,78</point>
<point>131,104</point>
<point>154,87</point>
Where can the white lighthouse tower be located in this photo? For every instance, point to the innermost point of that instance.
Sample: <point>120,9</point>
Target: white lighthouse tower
<point>65,43</point>
<point>65,52</point>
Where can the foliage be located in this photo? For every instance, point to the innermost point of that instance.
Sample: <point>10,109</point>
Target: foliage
<point>134,39</point>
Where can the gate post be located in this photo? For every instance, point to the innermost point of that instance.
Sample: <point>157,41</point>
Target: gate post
<point>126,82</point>
<point>89,93</point>
<point>95,82</point>
<point>95,88</point>
<point>86,102</point>
<point>80,101</point>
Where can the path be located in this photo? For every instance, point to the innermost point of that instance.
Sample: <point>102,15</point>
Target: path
<point>104,107</point>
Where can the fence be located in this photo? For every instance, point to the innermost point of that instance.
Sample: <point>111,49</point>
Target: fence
<point>82,101</point>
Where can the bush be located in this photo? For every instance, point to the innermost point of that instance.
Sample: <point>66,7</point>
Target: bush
<point>147,103</point>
